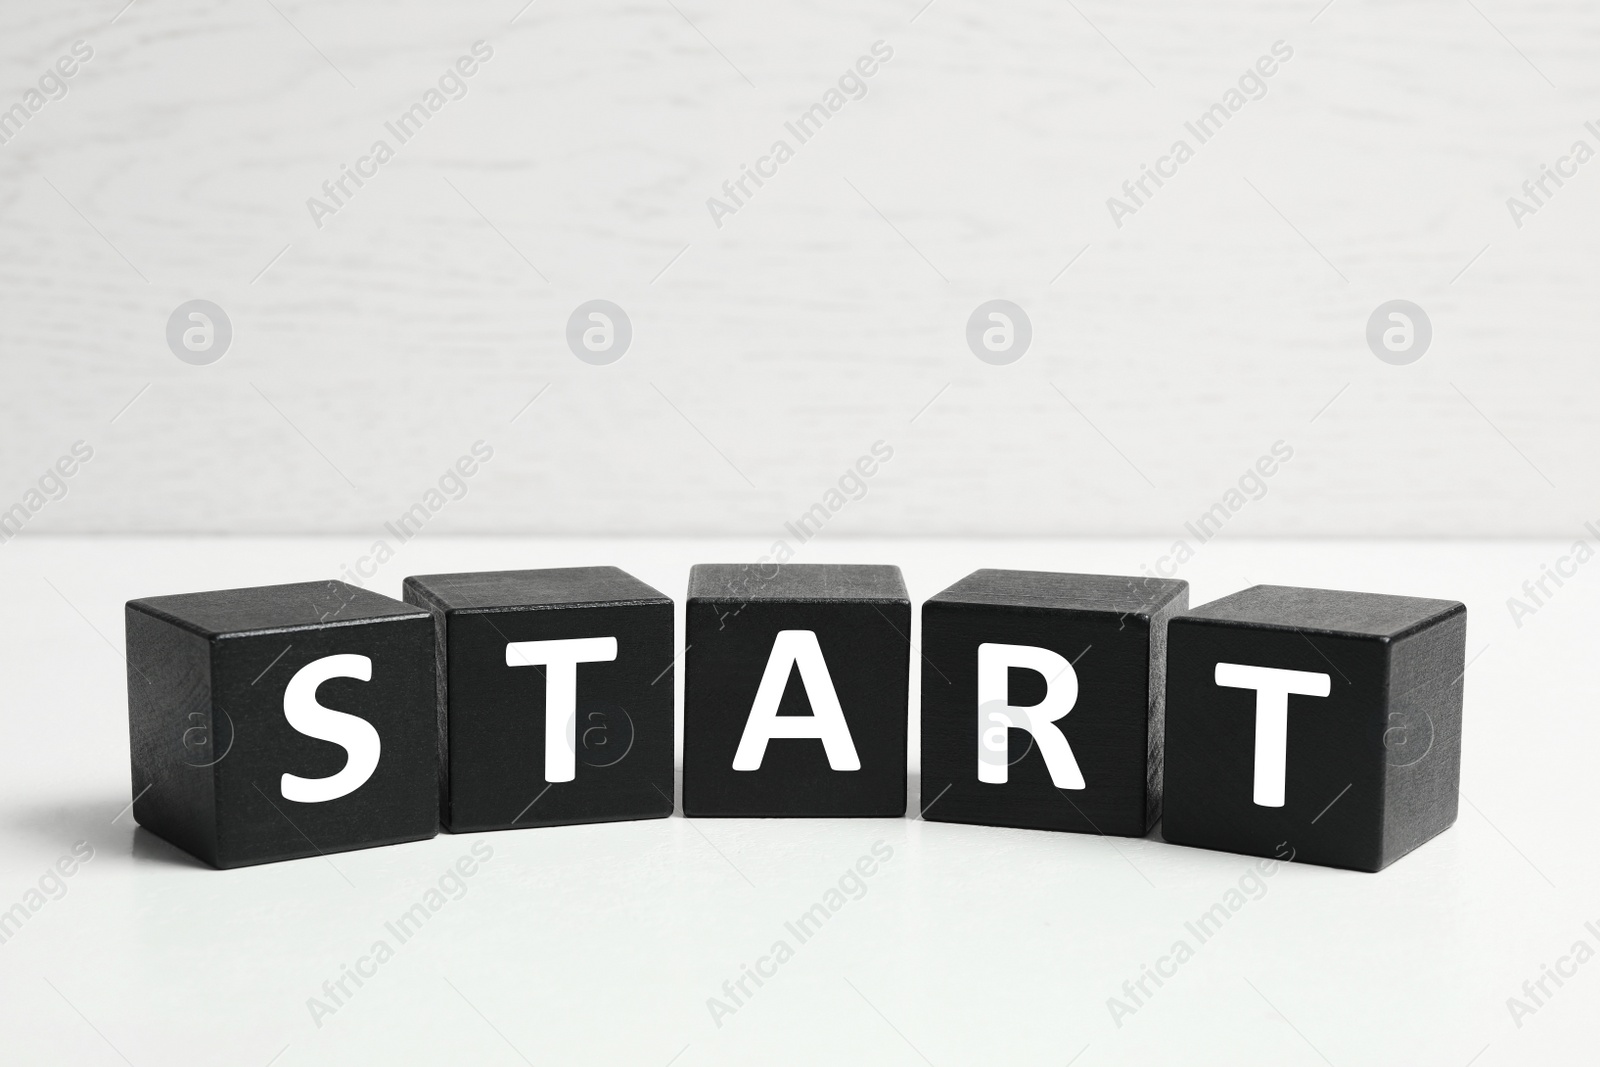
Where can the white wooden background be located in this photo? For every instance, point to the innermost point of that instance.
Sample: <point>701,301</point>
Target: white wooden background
<point>830,311</point>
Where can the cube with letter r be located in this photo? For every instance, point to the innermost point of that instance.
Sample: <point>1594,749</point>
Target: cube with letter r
<point>282,721</point>
<point>1042,700</point>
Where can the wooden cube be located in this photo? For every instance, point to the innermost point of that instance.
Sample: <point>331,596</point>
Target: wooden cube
<point>1316,725</point>
<point>795,690</point>
<point>558,698</point>
<point>282,721</point>
<point>1042,699</point>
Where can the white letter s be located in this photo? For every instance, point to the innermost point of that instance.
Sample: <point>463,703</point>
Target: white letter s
<point>355,735</point>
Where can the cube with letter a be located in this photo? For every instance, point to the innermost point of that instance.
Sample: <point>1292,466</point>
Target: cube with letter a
<point>795,687</point>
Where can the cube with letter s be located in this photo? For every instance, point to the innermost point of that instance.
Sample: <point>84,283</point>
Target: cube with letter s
<point>282,721</point>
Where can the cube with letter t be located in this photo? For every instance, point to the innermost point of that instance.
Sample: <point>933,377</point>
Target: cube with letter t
<point>282,721</point>
<point>1315,725</point>
<point>1042,700</point>
<point>795,687</point>
<point>557,690</point>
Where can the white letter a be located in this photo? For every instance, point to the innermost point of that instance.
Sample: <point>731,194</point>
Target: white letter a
<point>826,721</point>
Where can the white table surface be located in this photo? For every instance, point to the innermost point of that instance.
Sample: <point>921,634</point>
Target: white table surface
<point>603,944</point>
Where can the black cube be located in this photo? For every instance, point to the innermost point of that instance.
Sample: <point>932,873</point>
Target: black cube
<point>1042,697</point>
<point>282,721</point>
<point>1313,724</point>
<point>795,690</point>
<point>557,692</point>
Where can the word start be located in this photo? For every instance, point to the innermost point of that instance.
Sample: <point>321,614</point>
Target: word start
<point>1051,701</point>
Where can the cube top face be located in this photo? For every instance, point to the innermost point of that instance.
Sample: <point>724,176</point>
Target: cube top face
<point>273,608</point>
<point>1327,733</point>
<point>843,582</point>
<point>282,741</point>
<point>548,588</point>
<point>1089,650</point>
<point>1329,611</point>
<point>1144,596</point>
